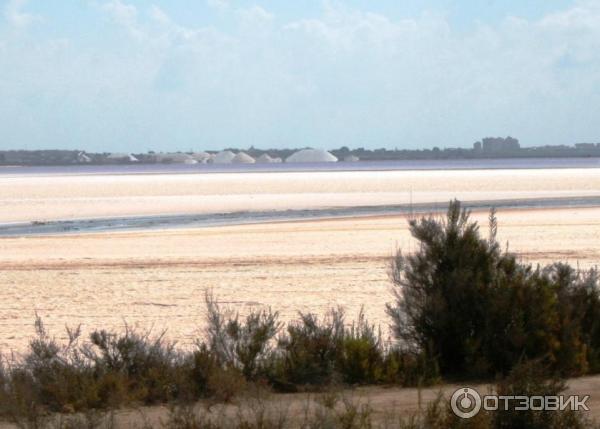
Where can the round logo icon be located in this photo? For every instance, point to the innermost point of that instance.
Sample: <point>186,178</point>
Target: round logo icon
<point>465,402</point>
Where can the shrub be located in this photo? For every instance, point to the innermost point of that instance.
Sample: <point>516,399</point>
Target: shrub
<point>51,377</point>
<point>242,345</point>
<point>318,352</point>
<point>477,311</point>
<point>442,289</point>
<point>310,349</point>
<point>150,368</point>
<point>361,357</point>
<point>407,368</point>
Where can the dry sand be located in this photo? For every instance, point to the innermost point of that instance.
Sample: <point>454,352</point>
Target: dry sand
<point>158,278</point>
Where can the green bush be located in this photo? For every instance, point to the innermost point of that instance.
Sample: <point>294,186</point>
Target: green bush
<point>243,345</point>
<point>52,377</point>
<point>405,368</point>
<point>310,349</point>
<point>478,311</point>
<point>151,368</point>
<point>361,355</point>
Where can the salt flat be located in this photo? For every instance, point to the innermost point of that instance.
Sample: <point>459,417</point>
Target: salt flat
<point>27,198</point>
<point>158,278</point>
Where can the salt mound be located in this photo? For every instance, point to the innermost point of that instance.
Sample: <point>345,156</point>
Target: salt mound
<point>201,157</point>
<point>266,159</point>
<point>176,157</point>
<point>224,157</point>
<point>242,158</point>
<point>311,155</point>
<point>122,157</point>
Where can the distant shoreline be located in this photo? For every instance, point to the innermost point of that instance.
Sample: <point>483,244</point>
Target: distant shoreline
<point>393,165</point>
<point>157,222</point>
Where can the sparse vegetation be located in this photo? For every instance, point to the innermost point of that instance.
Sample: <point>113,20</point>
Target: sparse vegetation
<point>464,308</point>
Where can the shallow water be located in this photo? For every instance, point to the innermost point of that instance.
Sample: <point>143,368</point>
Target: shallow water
<point>134,223</point>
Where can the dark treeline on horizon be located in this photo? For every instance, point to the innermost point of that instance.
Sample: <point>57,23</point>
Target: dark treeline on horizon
<point>488,148</point>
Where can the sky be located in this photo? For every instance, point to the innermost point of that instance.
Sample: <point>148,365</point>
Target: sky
<point>138,75</point>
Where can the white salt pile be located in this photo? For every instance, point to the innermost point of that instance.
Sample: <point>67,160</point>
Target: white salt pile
<point>201,157</point>
<point>242,158</point>
<point>265,158</point>
<point>224,157</point>
<point>311,155</point>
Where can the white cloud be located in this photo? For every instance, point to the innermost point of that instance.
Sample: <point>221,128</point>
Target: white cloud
<point>13,12</point>
<point>254,14</point>
<point>125,15</point>
<point>160,16</point>
<point>221,5</point>
<point>346,76</point>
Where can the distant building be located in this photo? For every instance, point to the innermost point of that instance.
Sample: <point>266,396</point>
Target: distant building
<point>351,158</point>
<point>499,145</point>
<point>477,146</point>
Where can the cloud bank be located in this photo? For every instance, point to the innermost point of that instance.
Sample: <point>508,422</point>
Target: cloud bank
<point>344,77</point>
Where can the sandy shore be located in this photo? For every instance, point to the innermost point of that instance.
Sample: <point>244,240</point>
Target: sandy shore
<point>158,278</point>
<point>53,197</point>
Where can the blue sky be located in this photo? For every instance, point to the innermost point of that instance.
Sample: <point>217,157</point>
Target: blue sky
<point>137,75</point>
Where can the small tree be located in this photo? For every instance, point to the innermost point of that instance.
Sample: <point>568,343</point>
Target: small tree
<point>478,311</point>
<point>441,290</point>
